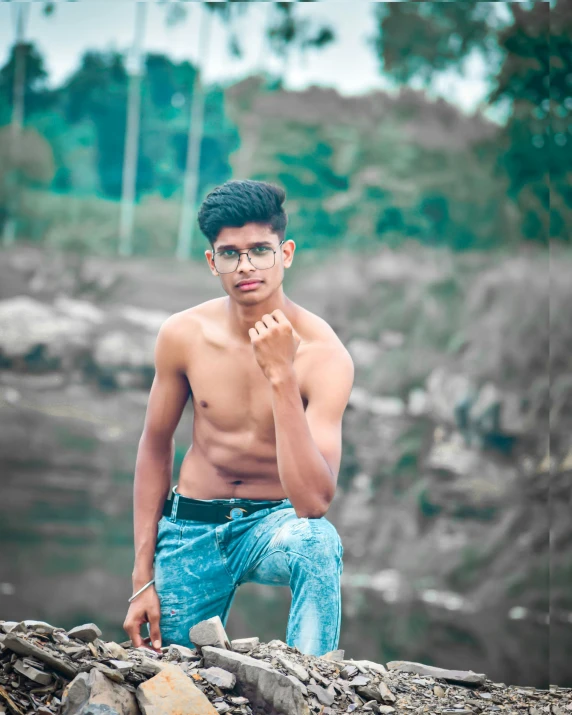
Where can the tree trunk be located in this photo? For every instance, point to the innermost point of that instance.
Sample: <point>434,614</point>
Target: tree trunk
<point>22,12</point>
<point>128,187</point>
<point>195,136</point>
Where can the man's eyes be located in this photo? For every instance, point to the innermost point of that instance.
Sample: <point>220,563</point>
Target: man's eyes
<point>257,249</point>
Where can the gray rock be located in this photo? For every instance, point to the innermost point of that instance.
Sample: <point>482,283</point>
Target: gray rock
<point>94,694</point>
<point>79,309</point>
<point>123,666</point>
<point>294,669</point>
<point>277,643</point>
<point>111,673</point>
<point>362,399</point>
<point>88,632</point>
<point>116,651</point>
<point>360,680</point>
<point>75,652</point>
<point>269,691</point>
<point>210,632</point>
<point>386,693</point>
<point>456,676</point>
<point>367,665</point>
<point>334,655</point>
<point>27,325</point>
<point>38,626</point>
<point>8,626</point>
<point>217,676</point>
<point>172,692</point>
<point>323,696</point>
<point>182,652</point>
<point>32,673</point>
<point>118,349</point>
<point>21,646</point>
<point>298,684</point>
<point>244,645</point>
<point>348,671</point>
<point>369,693</point>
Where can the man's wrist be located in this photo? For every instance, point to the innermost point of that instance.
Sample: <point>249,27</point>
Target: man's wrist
<point>140,578</point>
<point>282,377</point>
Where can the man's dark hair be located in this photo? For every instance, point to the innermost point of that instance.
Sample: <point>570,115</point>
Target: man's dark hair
<point>238,202</point>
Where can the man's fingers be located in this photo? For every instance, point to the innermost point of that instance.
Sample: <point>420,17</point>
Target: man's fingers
<point>133,631</point>
<point>154,630</point>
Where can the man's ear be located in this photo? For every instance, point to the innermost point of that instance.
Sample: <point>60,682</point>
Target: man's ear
<point>209,256</point>
<point>289,246</point>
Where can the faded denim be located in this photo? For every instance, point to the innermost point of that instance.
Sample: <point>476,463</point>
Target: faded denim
<point>199,565</point>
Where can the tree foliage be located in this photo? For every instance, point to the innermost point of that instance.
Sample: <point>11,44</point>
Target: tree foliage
<point>525,62</point>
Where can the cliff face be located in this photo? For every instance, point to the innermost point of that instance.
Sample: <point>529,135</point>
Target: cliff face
<point>446,472</point>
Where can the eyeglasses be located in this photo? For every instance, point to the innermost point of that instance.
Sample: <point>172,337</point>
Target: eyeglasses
<point>261,257</point>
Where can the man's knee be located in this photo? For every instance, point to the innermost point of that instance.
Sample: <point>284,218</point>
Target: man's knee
<point>309,537</point>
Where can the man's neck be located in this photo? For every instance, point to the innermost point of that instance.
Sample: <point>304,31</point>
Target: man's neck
<point>243,317</point>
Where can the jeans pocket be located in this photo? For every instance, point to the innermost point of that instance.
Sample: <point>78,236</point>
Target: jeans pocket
<point>168,533</point>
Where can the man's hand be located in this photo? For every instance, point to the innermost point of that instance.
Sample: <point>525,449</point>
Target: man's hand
<point>146,608</point>
<point>275,343</point>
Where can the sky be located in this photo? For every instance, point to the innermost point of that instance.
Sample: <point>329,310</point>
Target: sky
<point>349,64</point>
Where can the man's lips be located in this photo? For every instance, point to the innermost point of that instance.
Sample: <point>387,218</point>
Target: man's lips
<point>248,282</point>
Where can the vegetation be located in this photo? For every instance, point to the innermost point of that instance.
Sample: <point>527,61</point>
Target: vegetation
<point>358,171</point>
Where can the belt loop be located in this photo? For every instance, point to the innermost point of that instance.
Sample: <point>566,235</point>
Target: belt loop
<point>175,506</point>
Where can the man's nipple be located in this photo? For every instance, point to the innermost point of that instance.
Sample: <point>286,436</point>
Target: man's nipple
<point>203,403</point>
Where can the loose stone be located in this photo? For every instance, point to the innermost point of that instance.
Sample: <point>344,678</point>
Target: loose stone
<point>88,632</point>
<point>209,633</point>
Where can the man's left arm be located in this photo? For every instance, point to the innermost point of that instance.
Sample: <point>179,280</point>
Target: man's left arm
<point>309,444</point>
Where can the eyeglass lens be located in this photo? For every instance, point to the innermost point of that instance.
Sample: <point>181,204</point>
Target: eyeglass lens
<point>261,257</point>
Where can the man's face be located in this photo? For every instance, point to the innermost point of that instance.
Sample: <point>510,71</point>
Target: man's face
<point>258,281</point>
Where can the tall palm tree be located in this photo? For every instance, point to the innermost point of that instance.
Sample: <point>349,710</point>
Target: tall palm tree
<point>20,15</point>
<point>134,68</point>
<point>195,137</point>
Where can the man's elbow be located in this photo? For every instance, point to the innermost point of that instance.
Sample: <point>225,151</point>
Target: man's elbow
<point>313,511</point>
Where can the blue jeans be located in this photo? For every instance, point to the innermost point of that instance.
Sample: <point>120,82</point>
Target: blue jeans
<point>199,565</point>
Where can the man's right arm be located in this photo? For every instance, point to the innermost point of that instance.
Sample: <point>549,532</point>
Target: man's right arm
<point>153,469</point>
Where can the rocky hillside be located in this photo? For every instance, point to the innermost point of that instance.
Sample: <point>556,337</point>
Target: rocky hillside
<point>446,471</point>
<point>46,670</point>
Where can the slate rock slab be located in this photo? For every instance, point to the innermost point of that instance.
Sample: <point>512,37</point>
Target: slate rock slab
<point>94,694</point>
<point>171,692</point>
<point>219,677</point>
<point>244,645</point>
<point>21,646</point>
<point>455,676</point>
<point>210,632</point>
<point>88,632</point>
<point>269,691</point>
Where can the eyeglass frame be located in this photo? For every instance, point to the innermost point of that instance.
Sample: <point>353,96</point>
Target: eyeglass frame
<point>240,253</point>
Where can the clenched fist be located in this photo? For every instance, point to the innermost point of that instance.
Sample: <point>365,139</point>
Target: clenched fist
<point>275,343</point>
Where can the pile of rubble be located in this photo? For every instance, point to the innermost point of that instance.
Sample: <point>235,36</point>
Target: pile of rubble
<point>46,670</point>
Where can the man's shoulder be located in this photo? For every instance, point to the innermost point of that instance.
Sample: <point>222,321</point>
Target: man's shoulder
<point>320,339</point>
<point>186,323</point>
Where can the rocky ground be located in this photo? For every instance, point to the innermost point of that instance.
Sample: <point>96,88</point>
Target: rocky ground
<point>46,670</point>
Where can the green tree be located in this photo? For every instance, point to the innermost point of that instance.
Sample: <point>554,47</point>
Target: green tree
<point>421,40</point>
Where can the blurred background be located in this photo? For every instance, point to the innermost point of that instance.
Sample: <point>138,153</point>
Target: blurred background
<point>414,141</point>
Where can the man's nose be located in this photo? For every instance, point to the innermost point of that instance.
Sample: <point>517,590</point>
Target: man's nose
<point>246,262</point>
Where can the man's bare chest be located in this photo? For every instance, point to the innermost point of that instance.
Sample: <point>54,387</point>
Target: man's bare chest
<point>230,391</point>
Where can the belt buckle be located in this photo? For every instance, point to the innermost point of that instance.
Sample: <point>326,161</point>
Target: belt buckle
<point>236,513</point>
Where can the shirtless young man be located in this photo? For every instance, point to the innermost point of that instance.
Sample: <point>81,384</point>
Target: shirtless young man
<point>269,382</point>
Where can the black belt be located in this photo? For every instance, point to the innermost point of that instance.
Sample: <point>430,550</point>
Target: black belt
<point>198,510</point>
